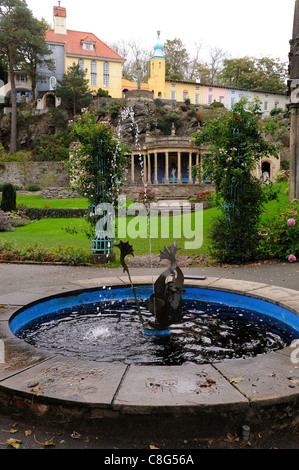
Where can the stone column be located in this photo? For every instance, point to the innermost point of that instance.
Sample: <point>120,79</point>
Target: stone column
<point>293,86</point>
<point>132,168</point>
<point>149,168</point>
<point>179,167</point>
<point>166,178</point>
<point>156,168</point>
<point>197,163</point>
<point>144,169</point>
<point>294,152</point>
<point>190,168</point>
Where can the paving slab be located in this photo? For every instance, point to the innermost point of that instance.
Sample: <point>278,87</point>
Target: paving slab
<point>70,380</point>
<point>276,293</point>
<point>98,282</point>
<point>188,388</point>
<point>265,380</point>
<point>232,285</point>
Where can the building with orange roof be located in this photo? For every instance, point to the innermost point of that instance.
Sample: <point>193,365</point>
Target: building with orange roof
<point>102,64</point>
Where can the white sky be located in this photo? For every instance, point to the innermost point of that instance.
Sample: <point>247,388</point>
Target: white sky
<point>257,28</point>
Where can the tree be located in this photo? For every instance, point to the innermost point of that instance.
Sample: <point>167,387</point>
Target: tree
<point>236,144</point>
<point>74,89</point>
<point>177,59</point>
<point>137,60</point>
<point>255,74</point>
<point>18,30</point>
<point>37,54</point>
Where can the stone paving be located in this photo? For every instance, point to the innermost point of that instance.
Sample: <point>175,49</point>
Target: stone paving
<point>262,388</point>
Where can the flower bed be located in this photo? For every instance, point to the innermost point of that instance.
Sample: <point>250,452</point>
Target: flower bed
<point>67,255</point>
<point>281,234</point>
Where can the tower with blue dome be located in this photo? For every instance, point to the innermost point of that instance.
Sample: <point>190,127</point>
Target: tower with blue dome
<point>157,78</point>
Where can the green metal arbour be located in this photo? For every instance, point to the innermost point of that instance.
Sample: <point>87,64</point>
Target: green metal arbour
<point>101,244</point>
<point>231,208</point>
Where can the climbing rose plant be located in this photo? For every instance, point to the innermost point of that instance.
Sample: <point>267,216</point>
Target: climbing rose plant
<point>235,145</point>
<point>92,138</point>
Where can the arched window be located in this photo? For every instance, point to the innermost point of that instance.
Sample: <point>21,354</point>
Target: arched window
<point>106,75</point>
<point>53,83</point>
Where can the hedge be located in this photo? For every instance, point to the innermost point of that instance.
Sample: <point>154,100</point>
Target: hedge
<point>54,213</point>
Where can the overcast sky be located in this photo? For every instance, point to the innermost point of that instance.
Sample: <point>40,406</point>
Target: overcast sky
<point>257,28</point>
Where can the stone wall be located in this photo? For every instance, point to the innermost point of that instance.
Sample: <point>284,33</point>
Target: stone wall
<point>45,174</point>
<point>168,191</point>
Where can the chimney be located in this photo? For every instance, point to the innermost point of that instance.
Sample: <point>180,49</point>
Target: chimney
<point>59,21</point>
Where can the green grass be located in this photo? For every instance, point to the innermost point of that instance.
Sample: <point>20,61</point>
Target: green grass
<point>37,201</point>
<point>49,233</point>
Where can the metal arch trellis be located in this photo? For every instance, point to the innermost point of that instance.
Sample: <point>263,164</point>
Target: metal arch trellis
<point>101,243</point>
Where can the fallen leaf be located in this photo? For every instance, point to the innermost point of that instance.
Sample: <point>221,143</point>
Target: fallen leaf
<point>235,380</point>
<point>28,432</point>
<point>14,443</point>
<point>51,442</point>
<point>152,446</point>
<point>36,390</point>
<point>210,380</point>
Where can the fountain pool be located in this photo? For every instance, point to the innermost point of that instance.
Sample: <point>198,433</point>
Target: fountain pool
<point>102,325</point>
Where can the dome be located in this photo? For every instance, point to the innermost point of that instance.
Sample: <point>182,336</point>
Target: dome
<point>158,47</point>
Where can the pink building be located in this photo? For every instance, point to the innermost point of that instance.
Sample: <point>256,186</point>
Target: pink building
<point>211,93</point>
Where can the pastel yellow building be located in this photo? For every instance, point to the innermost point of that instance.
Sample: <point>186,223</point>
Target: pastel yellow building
<point>102,64</point>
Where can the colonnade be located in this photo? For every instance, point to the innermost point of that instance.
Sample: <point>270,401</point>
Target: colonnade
<point>171,174</point>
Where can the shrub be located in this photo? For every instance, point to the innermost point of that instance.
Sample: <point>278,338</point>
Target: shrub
<point>5,224</point>
<point>9,197</point>
<point>32,187</point>
<point>281,234</point>
<point>165,122</point>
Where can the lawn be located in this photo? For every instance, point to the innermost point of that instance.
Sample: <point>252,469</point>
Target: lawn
<point>37,201</point>
<point>49,233</point>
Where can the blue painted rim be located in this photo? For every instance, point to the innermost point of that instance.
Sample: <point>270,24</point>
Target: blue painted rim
<point>51,305</point>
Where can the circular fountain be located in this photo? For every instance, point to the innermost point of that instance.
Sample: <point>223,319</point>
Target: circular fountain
<point>227,354</point>
<point>166,323</point>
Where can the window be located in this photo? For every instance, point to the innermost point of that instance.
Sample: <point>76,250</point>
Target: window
<point>173,85</point>
<point>197,88</point>
<point>93,73</point>
<point>88,46</point>
<point>210,99</point>
<point>81,64</point>
<point>221,99</point>
<point>197,98</point>
<point>211,90</point>
<point>52,83</point>
<point>21,77</point>
<point>106,75</point>
<point>173,97</point>
<point>266,107</point>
